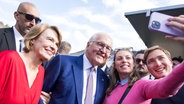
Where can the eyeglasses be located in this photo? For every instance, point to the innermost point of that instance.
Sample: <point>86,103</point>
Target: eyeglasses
<point>102,45</point>
<point>30,17</point>
<point>139,60</point>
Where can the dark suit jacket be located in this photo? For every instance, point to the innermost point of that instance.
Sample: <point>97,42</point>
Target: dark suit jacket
<point>7,39</point>
<point>176,99</point>
<point>64,78</point>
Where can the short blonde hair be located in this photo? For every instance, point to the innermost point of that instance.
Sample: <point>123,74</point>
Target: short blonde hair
<point>36,31</point>
<point>147,51</point>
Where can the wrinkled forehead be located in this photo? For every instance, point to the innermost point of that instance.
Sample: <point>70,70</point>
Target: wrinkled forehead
<point>104,39</point>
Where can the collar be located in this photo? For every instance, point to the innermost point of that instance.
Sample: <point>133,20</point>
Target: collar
<point>124,81</point>
<point>17,34</point>
<point>86,63</point>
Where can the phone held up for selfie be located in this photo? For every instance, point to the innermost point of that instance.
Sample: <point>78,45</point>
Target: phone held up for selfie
<point>158,22</point>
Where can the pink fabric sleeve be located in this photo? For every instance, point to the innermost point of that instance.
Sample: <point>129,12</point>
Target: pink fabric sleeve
<point>166,86</point>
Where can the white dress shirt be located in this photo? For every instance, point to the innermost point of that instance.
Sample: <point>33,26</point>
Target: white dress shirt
<point>149,76</point>
<point>86,70</point>
<point>18,37</point>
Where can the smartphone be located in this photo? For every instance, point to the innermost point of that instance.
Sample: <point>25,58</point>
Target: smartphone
<point>158,22</point>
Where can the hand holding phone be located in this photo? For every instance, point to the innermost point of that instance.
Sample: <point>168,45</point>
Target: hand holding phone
<point>158,22</point>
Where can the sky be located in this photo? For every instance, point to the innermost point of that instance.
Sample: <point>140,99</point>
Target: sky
<point>80,19</point>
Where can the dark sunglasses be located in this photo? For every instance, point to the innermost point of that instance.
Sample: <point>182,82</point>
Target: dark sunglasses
<point>30,17</point>
<point>139,60</point>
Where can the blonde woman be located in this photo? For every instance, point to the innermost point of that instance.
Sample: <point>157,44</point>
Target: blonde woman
<point>21,72</point>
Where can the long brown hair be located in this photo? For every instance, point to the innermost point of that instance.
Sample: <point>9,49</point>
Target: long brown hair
<point>114,73</point>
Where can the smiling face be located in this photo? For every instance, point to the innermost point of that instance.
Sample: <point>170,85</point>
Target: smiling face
<point>98,49</point>
<point>159,63</point>
<point>46,45</point>
<point>124,63</point>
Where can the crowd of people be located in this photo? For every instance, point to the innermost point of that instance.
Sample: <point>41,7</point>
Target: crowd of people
<point>36,67</point>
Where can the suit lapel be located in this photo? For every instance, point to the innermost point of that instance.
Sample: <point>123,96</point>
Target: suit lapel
<point>102,84</point>
<point>10,38</point>
<point>78,77</point>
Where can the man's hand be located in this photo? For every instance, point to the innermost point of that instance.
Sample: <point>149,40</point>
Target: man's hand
<point>45,97</point>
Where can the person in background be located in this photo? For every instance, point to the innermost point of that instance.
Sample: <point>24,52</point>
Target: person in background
<point>64,48</point>
<point>21,72</point>
<point>106,66</point>
<point>176,60</point>
<point>141,66</point>
<point>1,24</point>
<point>68,78</point>
<point>26,16</point>
<point>106,69</point>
